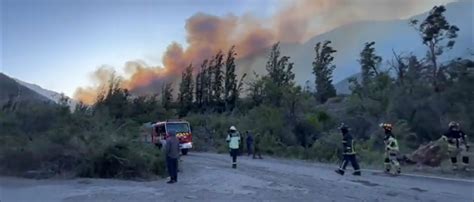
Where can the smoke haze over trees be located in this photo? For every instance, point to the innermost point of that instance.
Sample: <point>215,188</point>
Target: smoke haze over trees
<point>294,21</point>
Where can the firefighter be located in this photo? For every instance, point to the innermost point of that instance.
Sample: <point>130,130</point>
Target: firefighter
<point>256,147</point>
<point>172,155</point>
<point>457,145</point>
<point>349,154</point>
<point>391,149</point>
<point>233,138</point>
<point>249,140</point>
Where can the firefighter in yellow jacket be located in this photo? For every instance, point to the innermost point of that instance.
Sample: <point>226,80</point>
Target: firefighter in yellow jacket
<point>391,150</point>
<point>233,138</point>
<point>457,145</point>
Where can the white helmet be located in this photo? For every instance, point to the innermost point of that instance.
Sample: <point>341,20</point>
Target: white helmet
<point>233,128</point>
<point>453,124</point>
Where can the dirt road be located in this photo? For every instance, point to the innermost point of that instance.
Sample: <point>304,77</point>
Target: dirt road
<point>208,177</point>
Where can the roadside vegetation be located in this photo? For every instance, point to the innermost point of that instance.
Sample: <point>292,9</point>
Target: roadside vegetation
<point>103,140</point>
<point>418,95</point>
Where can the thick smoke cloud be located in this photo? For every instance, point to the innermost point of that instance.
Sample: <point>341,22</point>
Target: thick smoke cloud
<point>99,78</point>
<point>294,22</point>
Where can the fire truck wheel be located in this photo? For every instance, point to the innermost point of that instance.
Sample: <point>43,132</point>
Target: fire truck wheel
<point>184,151</point>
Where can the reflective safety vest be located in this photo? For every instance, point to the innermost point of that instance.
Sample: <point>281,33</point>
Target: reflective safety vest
<point>391,144</point>
<point>234,140</point>
<point>348,145</point>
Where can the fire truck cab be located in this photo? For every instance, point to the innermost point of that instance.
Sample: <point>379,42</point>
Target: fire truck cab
<point>182,129</point>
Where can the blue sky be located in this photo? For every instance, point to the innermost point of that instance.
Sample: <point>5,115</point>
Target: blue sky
<point>58,43</point>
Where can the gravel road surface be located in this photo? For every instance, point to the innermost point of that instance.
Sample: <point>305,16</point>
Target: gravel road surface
<point>209,177</point>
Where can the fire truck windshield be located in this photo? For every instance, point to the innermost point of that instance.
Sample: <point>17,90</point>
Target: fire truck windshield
<point>178,127</point>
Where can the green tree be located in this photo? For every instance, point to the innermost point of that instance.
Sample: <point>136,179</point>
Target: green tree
<point>230,82</point>
<point>232,86</point>
<point>369,63</point>
<point>371,97</point>
<point>202,93</point>
<point>217,79</point>
<point>409,72</point>
<point>280,70</point>
<point>113,100</point>
<point>280,76</point>
<point>167,96</point>
<point>399,64</point>
<point>198,90</point>
<point>437,35</point>
<point>185,96</point>
<point>238,89</point>
<point>291,100</point>
<point>256,89</point>
<point>322,69</point>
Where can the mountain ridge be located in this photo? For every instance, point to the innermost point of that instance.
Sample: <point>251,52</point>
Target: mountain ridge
<point>13,92</point>
<point>391,35</point>
<point>51,95</point>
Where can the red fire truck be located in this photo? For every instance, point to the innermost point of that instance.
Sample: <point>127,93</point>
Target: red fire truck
<point>181,128</point>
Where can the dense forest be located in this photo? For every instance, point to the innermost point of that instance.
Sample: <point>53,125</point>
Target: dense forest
<point>418,95</point>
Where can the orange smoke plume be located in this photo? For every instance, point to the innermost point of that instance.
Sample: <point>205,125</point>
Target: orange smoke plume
<point>295,22</point>
<point>100,79</point>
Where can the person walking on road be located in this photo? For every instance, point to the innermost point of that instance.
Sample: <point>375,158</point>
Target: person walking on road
<point>256,147</point>
<point>349,154</point>
<point>172,155</point>
<point>457,145</point>
<point>391,149</point>
<point>249,141</point>
<point>233,138</point>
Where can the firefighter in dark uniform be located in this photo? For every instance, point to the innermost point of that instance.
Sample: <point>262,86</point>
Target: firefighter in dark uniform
<point>391,149</point>
<point>457,145</point>
<point>349,153</point>
<point>256,147</point>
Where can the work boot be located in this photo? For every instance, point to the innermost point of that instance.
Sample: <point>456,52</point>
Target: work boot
<point>339,171</point>
<point>234,166</point>
<point>356,173</point>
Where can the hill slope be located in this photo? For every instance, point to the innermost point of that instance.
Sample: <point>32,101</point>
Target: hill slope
<point>52,95</point>
<point>12,90</point>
